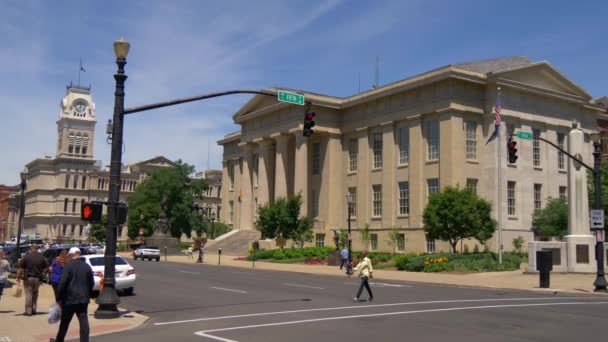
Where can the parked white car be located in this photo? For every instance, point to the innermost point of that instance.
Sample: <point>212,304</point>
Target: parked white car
<point>124,273</point>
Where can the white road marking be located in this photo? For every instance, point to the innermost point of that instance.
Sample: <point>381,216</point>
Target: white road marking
<point>362,307</point>
<point>380,284</point>
<point>5,339</point>
<point>221,288</point>
<point>205,333</point>
<point>190,272</point>
<point>306,286</point>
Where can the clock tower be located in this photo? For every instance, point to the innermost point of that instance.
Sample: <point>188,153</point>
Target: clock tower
<point>76,124</point>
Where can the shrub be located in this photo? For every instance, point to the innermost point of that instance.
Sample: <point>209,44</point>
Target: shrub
<point>466,249</point>
<point>476,249</point>
<point>121,247</point>
<point>278,254</point>
<point>377,257</point>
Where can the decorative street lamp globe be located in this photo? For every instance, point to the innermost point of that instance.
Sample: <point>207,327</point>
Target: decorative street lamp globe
<point>121,48</point>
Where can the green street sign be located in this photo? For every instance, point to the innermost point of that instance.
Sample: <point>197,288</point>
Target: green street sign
<point>285,96</point>
<point>524,135</point>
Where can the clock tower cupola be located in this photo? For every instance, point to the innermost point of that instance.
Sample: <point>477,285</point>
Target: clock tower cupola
<point>76,124</point>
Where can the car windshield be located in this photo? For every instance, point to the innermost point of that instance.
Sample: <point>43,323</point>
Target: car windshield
<point>98,261</point>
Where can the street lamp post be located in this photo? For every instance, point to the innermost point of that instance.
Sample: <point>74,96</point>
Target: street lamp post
<point>349,201</point>
<point>108,299</point>
<point>600,280</point>
<point>23,176</point>
<point>212,226</point>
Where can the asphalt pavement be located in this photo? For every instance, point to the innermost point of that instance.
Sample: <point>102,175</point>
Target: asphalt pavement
<point>193,302</point>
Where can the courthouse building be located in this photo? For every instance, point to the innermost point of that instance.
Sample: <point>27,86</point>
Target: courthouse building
<point>58,186</point>
<point>392,146</point>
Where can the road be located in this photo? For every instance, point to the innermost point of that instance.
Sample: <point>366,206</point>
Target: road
<point>191,302</point>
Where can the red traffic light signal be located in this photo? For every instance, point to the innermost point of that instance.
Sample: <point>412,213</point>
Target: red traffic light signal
<point>512,151</point>
<point>308,123</point>
<point>91,212</point>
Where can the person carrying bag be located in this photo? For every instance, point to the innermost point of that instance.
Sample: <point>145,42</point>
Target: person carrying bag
<point>365,270</point>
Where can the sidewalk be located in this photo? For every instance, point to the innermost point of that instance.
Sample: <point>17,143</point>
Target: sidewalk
<point>517,280</point>
<point>16,327</point>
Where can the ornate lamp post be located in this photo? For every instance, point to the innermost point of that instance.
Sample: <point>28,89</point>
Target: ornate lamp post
<point>108,299</point>
<point>600,280</point>
<point>212,226</point>
<point>23,176</point>
<point>349,201</point>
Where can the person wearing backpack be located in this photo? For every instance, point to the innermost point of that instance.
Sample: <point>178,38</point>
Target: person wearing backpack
<point>364,270</point>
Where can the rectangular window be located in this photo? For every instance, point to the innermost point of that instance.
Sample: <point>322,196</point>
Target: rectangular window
<point>404,145</point>
<point>64,230</point>
<point>377,149</point>
<point>256,165</point>
<point>377,200</point>
<point>510,131</point>
<point>432,186</point>
<point>314,211</point>
<point>231,175</point>
<point>74,205</point>
<point>404,201</point>
<point>563,192</point>
<point>373,239</point>
<point>536,147</point>
<point>65,205</point>
<point>75,181</point>
<point>84,182</point>
<point>80,230</point>
<point>430,245</point>
<point>320,240</point>
<point>537,196</point>
<point>353,150</point>
<point>230,212</point>
<point>67,181</point>
<point>511,198</point>
<point>472,185</point>
<point>471,134</point>
<point>353,206</point>
<point>561,164</point>
<point>400,243</point>
<point>432,139</point>
<point>316,158</point>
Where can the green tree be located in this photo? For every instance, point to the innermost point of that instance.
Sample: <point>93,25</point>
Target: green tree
<point>343,238</point>
<point>394,235</point>
<point>455,214</point>
<point>97,231</point>
<point>281,219</point>
<point>170,191</point>
<point>552,220</point>
<point>365,236</point>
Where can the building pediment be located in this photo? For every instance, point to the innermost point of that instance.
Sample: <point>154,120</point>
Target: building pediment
<point>158,161</point>
<point>542,76</point>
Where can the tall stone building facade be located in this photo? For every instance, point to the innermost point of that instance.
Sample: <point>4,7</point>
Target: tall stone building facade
<point>392,146</point>
<point>58,186</point>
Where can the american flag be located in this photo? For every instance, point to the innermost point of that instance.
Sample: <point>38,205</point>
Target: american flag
<point>496,119</point>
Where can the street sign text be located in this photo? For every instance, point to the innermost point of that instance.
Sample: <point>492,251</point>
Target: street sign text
<point>285,96</point>
<point>524,135</point>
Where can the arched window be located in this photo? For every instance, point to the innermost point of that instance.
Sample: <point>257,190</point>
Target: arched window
<point>98,183</point>
<point>84,182</point>
<point>74,205</point>
<point>75,181</point>
<point>78,143</point>
<point>81,203</point>
<point>65,205</point>
<point>85,143</point>
<point>71,138</point>
<point>67,181</point>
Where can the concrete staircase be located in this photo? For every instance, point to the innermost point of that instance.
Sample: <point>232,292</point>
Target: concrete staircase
<point>234,243</point>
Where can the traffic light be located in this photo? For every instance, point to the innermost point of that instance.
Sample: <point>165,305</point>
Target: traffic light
<point>512,150</point>
<point>91,212</point>
<point>308,123</point>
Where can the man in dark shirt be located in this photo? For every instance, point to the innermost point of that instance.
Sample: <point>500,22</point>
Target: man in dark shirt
<point>30,269</point>
<point>74,295</point>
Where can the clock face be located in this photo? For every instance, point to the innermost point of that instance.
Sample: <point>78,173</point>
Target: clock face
<point>80,108</point>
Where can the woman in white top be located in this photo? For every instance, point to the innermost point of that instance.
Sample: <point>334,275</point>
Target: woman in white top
<point>364,270</point>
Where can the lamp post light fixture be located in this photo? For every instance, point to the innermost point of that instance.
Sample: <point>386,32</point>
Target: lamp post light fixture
<point>23,175</point>
<point>212,226</point>
<point>349,201</point>
<point>600,280</point>
<point>108,299</point>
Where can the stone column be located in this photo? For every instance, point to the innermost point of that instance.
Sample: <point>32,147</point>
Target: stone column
<point>301,173</point>
<point>265,186</point>
<point>281,166</point>
<point>579,241</point>
<point>246,204</point>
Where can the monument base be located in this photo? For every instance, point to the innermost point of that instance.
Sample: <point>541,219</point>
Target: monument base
<point>161,242</point>
<point>581,253</point>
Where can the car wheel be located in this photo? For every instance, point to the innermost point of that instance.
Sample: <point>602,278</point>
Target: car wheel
<point>157,259</point>
<point>128,291</point>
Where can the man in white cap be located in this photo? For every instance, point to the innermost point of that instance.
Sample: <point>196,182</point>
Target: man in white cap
<point>74,295</point>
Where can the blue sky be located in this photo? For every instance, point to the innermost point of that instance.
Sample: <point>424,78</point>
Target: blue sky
<point>182,48</point>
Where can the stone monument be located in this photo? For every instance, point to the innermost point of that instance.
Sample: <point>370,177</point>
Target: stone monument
<point>161,237</point>
<point>579,241</point>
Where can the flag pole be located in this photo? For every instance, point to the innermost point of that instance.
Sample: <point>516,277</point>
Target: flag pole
<point>499,167</point>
